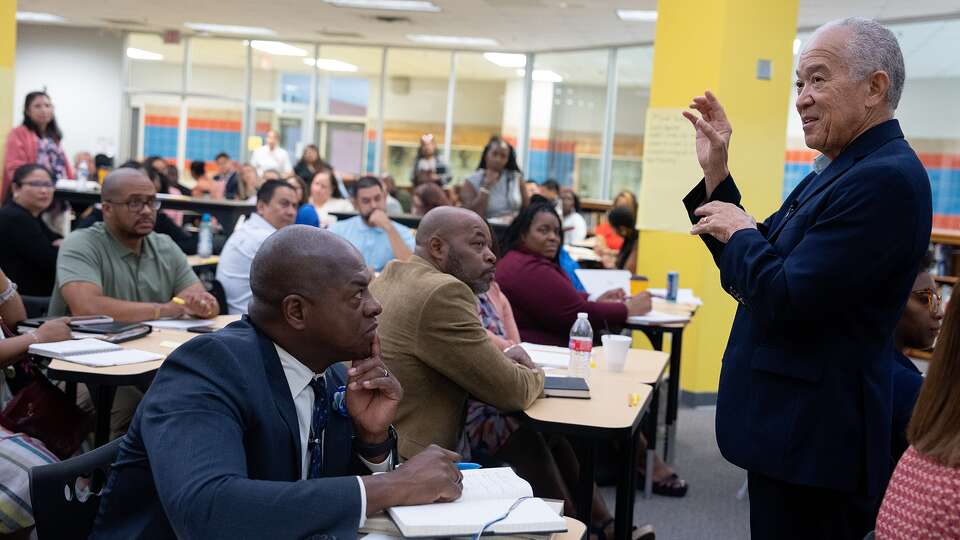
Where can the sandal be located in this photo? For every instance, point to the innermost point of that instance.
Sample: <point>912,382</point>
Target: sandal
<point>671,486</point>
<point>599,532</point>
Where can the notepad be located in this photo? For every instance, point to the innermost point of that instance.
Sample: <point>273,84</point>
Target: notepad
<point>658,317</point>
<point>597,282</point>
<point>92,352</point>
<point>547,356</point>
<point>487,494</point>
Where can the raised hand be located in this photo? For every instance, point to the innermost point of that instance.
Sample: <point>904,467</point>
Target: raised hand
<point>713,138</point>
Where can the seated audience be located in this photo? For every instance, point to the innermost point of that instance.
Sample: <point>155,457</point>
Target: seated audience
<point>428,196</point>
<point>623,222</point>
<point>29,254</point>
<point>276,208</point>
<point>574,226</point>
<point>20,451</point>
<point>324,200</point>
<point>35,141</point>
<point>394,206</point>
<point>300,187</point>
<point>271,174</point>
<point>271,156</point>
<point>544,301</point>
<point>379,239</point>
<point>608,241</point>
<point>532,188</point>
<point>310,163</point>
<point>923,496</point>
<point>227,174</point>
<point>496,191</point>
<point>550,190</point>
<point>432,337</point>
<point>239,435</point>
<point>427,165</point>
<point>122,267</point>
<point>244,185</point>
<point>918,328</point>
<point>205,187</point>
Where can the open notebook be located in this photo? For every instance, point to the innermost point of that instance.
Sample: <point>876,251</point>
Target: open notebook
<point>92,352</point>
<point>487,495</point>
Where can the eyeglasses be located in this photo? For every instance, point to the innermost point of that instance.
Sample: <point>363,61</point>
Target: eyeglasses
<point>135,205</point>
<point>38,185</point>
<point>932,298</point>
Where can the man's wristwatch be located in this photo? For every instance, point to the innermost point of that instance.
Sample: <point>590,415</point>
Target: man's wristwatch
<point>374,450</point>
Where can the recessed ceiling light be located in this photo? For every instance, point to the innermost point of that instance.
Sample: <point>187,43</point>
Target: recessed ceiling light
<point>35,16</point>
<point>637,15</point>
<point>453,40</point>
<point>507,60</point>
<point>394,5</point>
<point>230,29</point>
<point>140,54</point>
<point>277,48</point>
<point>330,64</point>
<point>542,75</point>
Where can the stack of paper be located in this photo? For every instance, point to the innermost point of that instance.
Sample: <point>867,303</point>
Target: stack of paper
<point>92,352</point>
<point>658,317</point>
<point>548,356</point>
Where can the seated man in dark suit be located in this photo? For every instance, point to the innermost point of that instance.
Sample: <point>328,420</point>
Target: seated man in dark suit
<point>255,431</point>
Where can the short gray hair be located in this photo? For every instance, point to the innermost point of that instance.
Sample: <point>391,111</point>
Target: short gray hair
<point>873,47</point>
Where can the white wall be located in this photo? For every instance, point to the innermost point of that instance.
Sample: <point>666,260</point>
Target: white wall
<point>80,69</point>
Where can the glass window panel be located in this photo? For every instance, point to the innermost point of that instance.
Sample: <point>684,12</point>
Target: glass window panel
<point>566,123</point>
<point>162,74</point>
<point>281,89</point>
<point>156,123</point>
<point>634,72</point>
<point>217,67</point>
<point>213,126</point>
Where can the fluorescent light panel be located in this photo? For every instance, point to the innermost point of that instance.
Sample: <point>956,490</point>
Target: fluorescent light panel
<point>330,64</point>
<point>393,5</point>
<point>230,29</point>
<point>637,15</point>
<point>36,16</point>
<point>542,75</point>
<point>507,60</point>
<point>277,48</point>
<point>141,54</point>
<point>453,40</point>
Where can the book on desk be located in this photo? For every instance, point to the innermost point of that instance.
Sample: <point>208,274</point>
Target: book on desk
<point>92,352</point>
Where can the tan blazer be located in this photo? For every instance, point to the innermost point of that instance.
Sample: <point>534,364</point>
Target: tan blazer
<point>432,340</point>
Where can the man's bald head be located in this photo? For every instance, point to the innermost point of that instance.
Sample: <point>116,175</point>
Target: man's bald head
<point>114,184</point>
<point>457,241</point>
<point>443,221</point>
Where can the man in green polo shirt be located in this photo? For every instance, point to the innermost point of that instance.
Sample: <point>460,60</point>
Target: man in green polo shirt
<point>123,269</point>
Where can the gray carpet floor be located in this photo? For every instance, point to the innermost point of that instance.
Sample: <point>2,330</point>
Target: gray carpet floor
<point>711,509</point>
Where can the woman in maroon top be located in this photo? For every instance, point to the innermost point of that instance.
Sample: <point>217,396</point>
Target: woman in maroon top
<point>545,303</point>
<point>923,497</point>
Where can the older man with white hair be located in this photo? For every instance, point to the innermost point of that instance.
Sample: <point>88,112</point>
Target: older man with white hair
<point>804,403</point>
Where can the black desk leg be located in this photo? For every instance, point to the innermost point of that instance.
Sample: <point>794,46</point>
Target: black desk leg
<point>626,489</point>
<point>583,496</point>
<point>650,433</point>
<point>673,396</point>
<point>102,396</point>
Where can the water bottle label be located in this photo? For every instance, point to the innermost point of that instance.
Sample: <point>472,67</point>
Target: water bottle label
<point>581,345</point>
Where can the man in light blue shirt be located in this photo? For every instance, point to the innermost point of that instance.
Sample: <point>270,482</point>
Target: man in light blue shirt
<point>376,236</point>
<point>276,208</point>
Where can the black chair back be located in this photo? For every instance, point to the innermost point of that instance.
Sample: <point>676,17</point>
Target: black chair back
<point>36,306</point>
<point>65,496</point>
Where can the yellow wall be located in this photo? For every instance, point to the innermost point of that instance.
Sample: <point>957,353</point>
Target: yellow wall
<point>715,44</point>
<point>8,51</point>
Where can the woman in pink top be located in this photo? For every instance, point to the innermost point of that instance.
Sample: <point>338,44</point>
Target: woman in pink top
<point>36,140</point>
<point>923,497</point>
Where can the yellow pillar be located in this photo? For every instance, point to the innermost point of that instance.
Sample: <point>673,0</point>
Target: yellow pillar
<point>8,50</point>
<point>716,45</point>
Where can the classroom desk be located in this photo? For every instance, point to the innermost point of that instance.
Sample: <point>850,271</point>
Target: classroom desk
<point>606,416</point>
<point>655,333</point>
<point>381,524</point>
<point>226,212</point>
<point>102,382</point>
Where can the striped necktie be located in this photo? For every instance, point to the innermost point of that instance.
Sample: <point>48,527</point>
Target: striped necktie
<point>318,421</point>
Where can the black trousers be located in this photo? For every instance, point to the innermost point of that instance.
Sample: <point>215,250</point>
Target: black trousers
<point>783,511</point>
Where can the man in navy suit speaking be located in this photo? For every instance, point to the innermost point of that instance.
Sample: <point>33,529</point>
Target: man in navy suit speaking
<point>256,431</point>
<point>804,403</point>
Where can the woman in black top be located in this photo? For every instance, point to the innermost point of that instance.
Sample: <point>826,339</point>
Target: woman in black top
<point>29,254</point>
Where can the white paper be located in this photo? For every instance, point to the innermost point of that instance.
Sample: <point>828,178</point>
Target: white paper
<point>657,317</point>
<point>548,356</point>
<point>597,282</point>
<point>578,253</point>
<point>70,347</point>
<point>494,483</point>
<point>178,324</point>
<point>114,358</point>
<point>684,296</point>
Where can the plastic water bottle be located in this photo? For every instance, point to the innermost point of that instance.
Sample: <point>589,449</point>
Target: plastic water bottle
<point>581,346</point>
<point>205,242</point>
<point>83,174</point>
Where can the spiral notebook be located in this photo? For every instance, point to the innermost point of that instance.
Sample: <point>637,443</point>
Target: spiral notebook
<point>92,352</point>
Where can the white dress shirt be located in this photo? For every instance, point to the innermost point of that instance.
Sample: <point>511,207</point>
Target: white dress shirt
<point>574,228</point>
<point>298,378</point>
<point>264,159</point>
<point>233,270</point>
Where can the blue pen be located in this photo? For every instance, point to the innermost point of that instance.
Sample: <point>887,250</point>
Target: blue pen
<point>467,466</point>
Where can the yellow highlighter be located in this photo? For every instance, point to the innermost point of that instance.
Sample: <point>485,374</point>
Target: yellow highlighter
<point>179,301</point>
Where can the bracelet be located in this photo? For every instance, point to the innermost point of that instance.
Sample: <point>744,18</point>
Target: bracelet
<point>156,311</point>
<point>8,294</point>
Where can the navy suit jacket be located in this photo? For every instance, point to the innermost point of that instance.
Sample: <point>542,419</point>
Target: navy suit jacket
<point>805,388</point>
<point>214,452</point>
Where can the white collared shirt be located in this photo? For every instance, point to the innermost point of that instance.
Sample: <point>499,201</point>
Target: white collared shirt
<point>233,270</point>
<point>298,378</point>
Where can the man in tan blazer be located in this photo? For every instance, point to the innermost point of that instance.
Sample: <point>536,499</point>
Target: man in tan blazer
<point>432,339</point>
